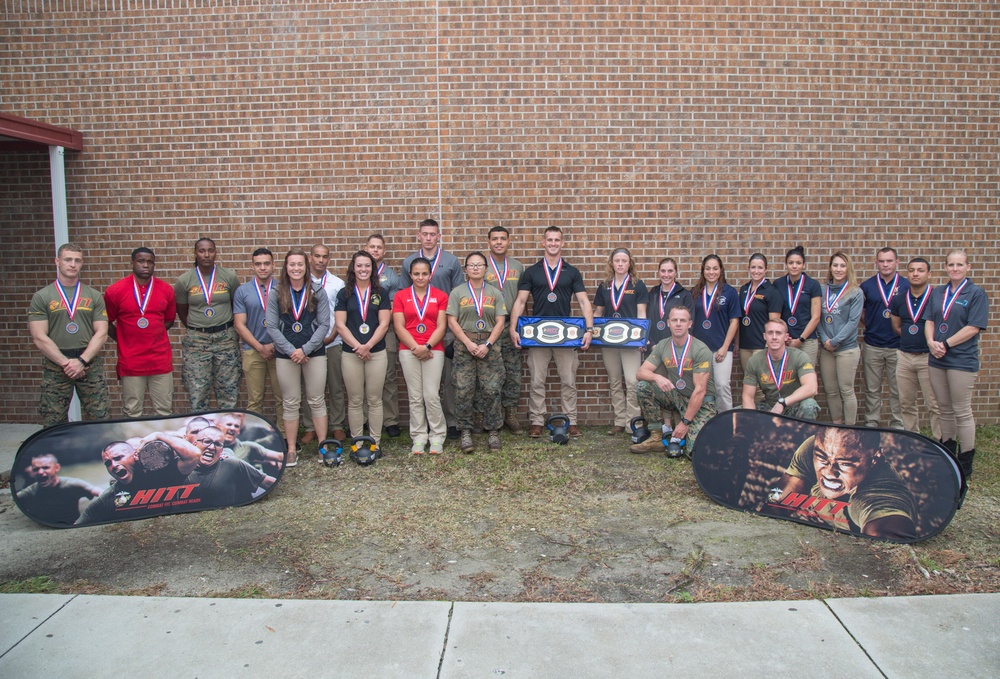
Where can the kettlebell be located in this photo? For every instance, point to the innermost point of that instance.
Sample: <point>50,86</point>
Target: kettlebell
<point>332,451</point>
<point>558,425</point>
<point>675,448</point>
<point>640,430</point>
<point>364,450</point>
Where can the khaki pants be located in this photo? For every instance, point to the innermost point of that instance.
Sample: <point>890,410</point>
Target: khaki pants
<point>423,385</point>
<point>335,382</point>
<point>390,390</point>
<point>913,378</point>
<point>161,394</point>
<point>838,370</point>
<point>567,361</point>
<point>256,370</point>
<point>364,380</point>
<point>811,347</point>
<point>722,375</point>
<point>953,391</point>
<point>622,365</point>
<point>291,375</point>
<point>879,362</point>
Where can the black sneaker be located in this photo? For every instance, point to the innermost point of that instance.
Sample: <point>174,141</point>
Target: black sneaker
<point>454,434</point>
<point>392,431</point>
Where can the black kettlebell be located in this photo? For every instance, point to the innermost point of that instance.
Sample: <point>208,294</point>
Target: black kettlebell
<point>675,447</point>
<point>558,425</point>
<point>640,430</point>
<point>364,450</point>
<point>332,451</point>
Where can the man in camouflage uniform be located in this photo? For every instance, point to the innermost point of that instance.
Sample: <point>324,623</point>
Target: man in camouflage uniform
<point>391,283</point>
<point>677,375</point>
<point>796,387</point>
<point>504,272</point>
<point>69,325</point>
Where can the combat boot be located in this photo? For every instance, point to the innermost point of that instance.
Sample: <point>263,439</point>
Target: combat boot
<point>510,419</point>
<point>467,445</point>
<point>650,445</point>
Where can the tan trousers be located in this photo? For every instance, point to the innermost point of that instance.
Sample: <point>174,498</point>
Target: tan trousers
<point>364,380</point>
<point>913,379</point>
<point>722,375</point>
<point>335,382</point>
<point>811,347</point>
<point>567,361</point>
<point>291,375</point>
<point>161,394</point>
<point>838,370</point>
<point>256,370</point>
<point>953,391</point>
<point>879,363</point>
<point>423,385</point>
<point>622,365</point>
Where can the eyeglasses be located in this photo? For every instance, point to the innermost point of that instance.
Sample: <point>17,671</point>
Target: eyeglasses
<point>475,266</point>
<point>210,443</point>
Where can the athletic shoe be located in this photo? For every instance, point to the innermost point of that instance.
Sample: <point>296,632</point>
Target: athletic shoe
<point>392,431</point>
<point>467,445</point>
<point>418,449</point>
<point>494,440</point>
<point>535,431</point>
<point>650,445</point>
<point>437,447</point>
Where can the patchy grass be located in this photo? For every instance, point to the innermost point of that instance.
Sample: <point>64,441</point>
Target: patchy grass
<point>40,584</point>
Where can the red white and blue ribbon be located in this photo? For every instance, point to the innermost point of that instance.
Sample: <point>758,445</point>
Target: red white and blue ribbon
<point>70,306</point>
<point>363,300</point>
<point>501,278</point>
<point>298,306</point>
<point>915,313</point>
<point>478,301</point>
<point>421,308</point>
<point>794,303</point>
<point>680,363</point>
<point>207,290</point>
<point>262,296</point>
<point>707,299</point>
<point>750,293</point>
<point>777,378</point>
<point>665,297</point>
<point>887,298</point>
<point>552,276</point>
<point>616,298</point>
<point>140,300</point>
<point>949,302</point>
<point>830,305</point>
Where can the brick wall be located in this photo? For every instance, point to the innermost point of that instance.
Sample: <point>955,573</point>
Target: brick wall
<point>674,128</point>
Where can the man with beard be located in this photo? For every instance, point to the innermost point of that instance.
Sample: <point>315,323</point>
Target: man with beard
<point>847,466</point>
<point>250,452</point>
<point>51,498</point>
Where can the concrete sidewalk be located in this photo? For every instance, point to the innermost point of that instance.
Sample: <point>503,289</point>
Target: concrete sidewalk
<point>43,635</point>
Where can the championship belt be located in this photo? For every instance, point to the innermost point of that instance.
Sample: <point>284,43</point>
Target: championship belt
<point>546,331</point>
<point>620,332</point>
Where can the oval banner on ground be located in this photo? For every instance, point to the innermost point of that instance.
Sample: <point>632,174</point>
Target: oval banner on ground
<point>89,473</point>
<point>878,483</point>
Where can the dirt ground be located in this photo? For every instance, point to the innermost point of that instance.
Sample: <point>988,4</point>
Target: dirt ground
<point>535,522</point>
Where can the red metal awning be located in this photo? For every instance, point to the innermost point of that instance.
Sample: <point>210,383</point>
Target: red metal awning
<point>24,134</point>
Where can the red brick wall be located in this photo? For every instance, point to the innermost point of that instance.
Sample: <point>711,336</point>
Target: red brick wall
<point>676,129</point>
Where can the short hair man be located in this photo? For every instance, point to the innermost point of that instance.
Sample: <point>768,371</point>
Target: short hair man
<point>319,261</point>
<point>141,309</point>
<point>52,498</point>
<point>784,374</point>
<point>677,375</point>
<point>69,325</point>
<point>910,311</point>
<point>552,284</point>
<point>391,283</point>
<point>879,354</point>
<point>504,272</point>
<point>223,482</point>
<point>251,452</point>
<point>847,464</point>
<point>446,275</point>
<point>249,307</point>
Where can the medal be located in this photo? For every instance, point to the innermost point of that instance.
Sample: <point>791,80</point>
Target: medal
<point>915,314</point>
<point>552,276</point>
<point>264,323</point>
<point>661,326</point>
<point>363,301</point>
<point>143,322</point>
<point>829,319</point>
<point>792,321</point>
<point>707,324</point>
<point>616,315</point>
<point>680,384</point>
<point>142,301</point>
<point>480,324</point>
<point>749,301</point>
<point>949,302</point>
<point>478,303</point>
<point>501,277</point>
<point>619,295</point>
<point>793,302</point>
<point>706,304</point>
<point>664,298</point>
<point>298,306</point>
<point>943,328</point>
<point>777,378</point>
<point>209,311</point>
<point>421,308</point>
<point>296,327</point>
<point>746,321</point>
<point>914,329</point>
<point>887,298</point>
<point>207,290</point>
<point>421,328</point>
<point>551,297</point>
<point>363,328</point>
<point>886,314</point>
<point>71,327</point>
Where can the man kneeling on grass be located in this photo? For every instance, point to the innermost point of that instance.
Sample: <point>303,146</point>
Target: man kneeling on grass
<point>784,374</point>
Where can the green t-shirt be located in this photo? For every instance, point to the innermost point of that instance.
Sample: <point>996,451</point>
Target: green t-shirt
<point>47,305</point>
<point>699,360</point>
<point>880,493</point>
<point>188,291</point>
<point>461,306</point>
<point>514,272</point>
<point>759,375</point>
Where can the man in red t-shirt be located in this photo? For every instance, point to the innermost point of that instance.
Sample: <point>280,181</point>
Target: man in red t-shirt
<point>141,309</point>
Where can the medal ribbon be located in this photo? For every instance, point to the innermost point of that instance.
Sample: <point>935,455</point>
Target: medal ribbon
<point>363,301</point>
<point>680,363</point>
<point>501,278</point>
<point>948,304</point>
<point>421,308</point>
<point>552,276</point>
<point>706,299</point>
<point>381,268</point>
<point>920,308</point>
<point>780,376</point>
<point>829,305</point>
<point>616,299</point>
<point>749,301</point>
<point>210,288</point>
<point>887,299</point>
<point>793,303</point>
<point>143,302</point>
<point>71,307</point>
<point>664,298</point>
<point>478,301</point>
<point>263,297</point>
<point>434,264</point>
<point>298,306</point>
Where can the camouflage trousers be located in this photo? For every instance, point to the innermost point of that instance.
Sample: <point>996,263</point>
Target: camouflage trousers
<point>479,381</point>
<point>652,400</point>
<point>211,360</point>
<point>57,392</point>
<point>806,409</point>
<point>513,368</point>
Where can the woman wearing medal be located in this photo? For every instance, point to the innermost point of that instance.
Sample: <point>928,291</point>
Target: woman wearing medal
<point>418,315</point>
<point>839,353</point>
<point>802,304</point>
<point>298,319</point>
<point>958,312</point>
<point>362,315</point>
<point>622,295</point>
<point>664,296</point>
<point>211,356</point>
<point>476,314</point>
<point>716,322</point>
<point>759,303</point>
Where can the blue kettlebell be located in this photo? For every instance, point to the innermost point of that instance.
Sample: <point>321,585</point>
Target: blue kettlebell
<point>558,425</point>
<point>640,429</point>
<point>332,451</point>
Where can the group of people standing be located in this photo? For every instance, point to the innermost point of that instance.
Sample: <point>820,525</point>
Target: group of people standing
<point>454,324</point>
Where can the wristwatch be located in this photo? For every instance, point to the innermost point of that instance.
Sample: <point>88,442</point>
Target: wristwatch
<point>488,344</point>
<point>590,330</point>
<point>781,400</point>
<point>83,361</point>
<point>429,348</point>
<point>686,421</point>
